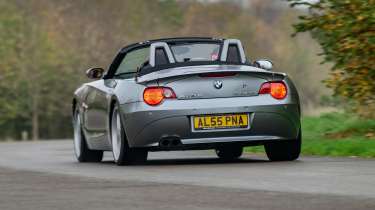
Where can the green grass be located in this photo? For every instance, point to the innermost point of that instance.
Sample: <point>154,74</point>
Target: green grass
<point>335,134</point>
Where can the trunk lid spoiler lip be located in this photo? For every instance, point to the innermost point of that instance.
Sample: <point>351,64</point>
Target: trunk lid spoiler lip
<point>191,70</point>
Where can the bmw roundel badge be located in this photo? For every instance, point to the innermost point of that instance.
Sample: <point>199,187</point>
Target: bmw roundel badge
<point>218,84</point>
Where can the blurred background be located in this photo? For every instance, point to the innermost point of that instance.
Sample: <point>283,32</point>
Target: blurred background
<point>46,46</point>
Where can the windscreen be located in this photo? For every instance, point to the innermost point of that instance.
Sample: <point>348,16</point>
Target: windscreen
<point>196,52</point>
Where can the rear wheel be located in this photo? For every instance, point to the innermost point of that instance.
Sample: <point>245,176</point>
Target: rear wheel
<point>81,150</point>
<point>284,150</point>
<point>122,153</point>
<point>229,153</point>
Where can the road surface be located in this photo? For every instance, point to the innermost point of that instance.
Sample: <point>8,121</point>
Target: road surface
<point>44,175</point>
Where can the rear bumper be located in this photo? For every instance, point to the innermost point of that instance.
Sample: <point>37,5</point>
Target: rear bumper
<point>270,120</point>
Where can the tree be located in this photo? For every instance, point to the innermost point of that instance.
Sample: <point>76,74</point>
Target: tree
<point>33,83</point>
<point>10,22</point>
<point>345,29</point>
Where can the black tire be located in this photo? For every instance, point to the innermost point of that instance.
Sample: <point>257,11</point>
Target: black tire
<point>284,150</point>
<point>82,151</point>
<point>125,155</point>
<point>229,152</point>
<point>132,156</point>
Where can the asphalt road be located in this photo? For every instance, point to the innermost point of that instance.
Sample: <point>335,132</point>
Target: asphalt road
<point>44,175</point>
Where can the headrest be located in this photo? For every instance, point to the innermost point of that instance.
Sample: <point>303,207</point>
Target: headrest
<point>160,53</point>
<point>233,51</point>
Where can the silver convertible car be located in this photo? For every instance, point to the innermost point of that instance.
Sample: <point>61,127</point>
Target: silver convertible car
<point>185,94</point>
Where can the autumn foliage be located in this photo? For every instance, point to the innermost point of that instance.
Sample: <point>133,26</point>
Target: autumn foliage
<point>345,30</point>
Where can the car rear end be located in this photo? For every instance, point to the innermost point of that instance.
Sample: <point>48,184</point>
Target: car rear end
<point>204,107</point>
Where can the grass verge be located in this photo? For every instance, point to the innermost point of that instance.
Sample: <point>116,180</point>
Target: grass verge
<point>335,134</point>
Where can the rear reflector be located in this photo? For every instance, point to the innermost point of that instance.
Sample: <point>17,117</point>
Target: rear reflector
<point>155,95</point>
<point>218,74</point>
<point>278,90</point>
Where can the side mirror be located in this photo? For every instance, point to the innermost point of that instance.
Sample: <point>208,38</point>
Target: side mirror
<point>264,64</point>
<point>95,73</point>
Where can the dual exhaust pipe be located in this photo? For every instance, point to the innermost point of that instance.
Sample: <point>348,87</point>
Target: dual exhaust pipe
<point>170,141</point>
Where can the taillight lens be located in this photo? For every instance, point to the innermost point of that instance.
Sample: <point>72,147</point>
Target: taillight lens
<point>278,90</point>
<point>155,95</point>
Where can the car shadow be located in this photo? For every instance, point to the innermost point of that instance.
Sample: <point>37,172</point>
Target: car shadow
<point>195,161</point>
<point>205,161</point>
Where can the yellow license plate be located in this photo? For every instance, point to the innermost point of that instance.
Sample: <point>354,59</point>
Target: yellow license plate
<point>225,121</point>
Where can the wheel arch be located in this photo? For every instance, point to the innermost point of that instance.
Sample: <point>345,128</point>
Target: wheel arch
<point>112,103</point>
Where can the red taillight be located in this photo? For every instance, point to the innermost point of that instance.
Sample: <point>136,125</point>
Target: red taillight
<point>265,88</point>
<point>277,90</point>
<point>155,95</point>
